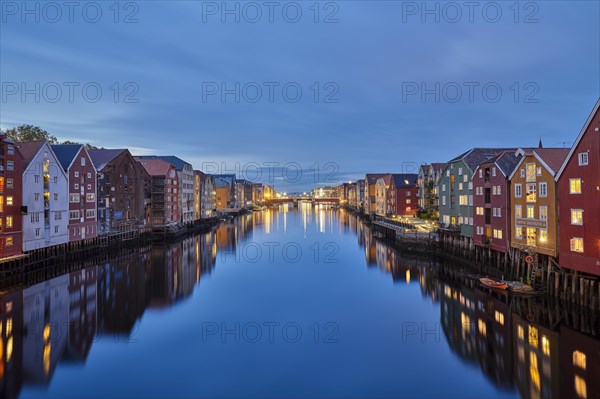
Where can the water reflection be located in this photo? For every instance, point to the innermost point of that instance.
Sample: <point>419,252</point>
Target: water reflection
<point>541,348</point>
<point>530,346</point>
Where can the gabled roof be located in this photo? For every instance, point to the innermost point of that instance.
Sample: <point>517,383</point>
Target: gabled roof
<point>405,180</point>
<point>172,159</point>
<point>551,158</point>
<point>371,178</point>
<point>29,149</point>
<point>438,166</point>
<point>579,137</point>
<point>66,153</point>
<point>155,166</point>
<point>102,157</point>
<point>387,179</point>
<point>229,178</point>
<point>475,156</point>
<point>506,161</point>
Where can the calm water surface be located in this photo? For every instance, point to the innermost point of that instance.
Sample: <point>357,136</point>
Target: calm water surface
<point>289,302</point>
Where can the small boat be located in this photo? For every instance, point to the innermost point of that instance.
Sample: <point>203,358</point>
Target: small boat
<point>521,288</point>
<point>488,282</point>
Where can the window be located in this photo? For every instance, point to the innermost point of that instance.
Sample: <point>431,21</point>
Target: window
<point>530,212</point>
<point>9,221</point>
<point>9,200</point>
<point>480,173</point>
<point>499,212</point>
<point>447,173</point>
<point>10,165</point>
<point>494,211</point>
<point>465,178</point>
<point>518,191</point>
<point>539,171</point>
<point>497,233</point>
<point>10,149</point>
<point>577,244</point>
<point>37,232</point>
<point>575,186</point>
<point>443,200</point>
<point>55,179</point>
<point>531,197</point>
<point>494,190</point>
<point>471,221</point>
<point>9,241</point>
<point>35,217</point>
<point>57,215</point>
<point>543,212</point>
<point>74,198</point>
<point>543,235</point>
<point>522,172</point>
<point>443,187</point>
<point>56,229</point>
<point>76,186</point>
<point>530,172</point>
<point>463,199</point>
<point>82,161</point>
<point>76,174</point>
<point>470,200</point>
<point>460,171</point>
<point>583,158</point>
<point>579,360</point>
<point>89,175</point>
<point>36,178</point>
<point>545,345</point>
<point>55,196</point>
<point>36,196</point>
<point>408,201</point>
<point>9,183</point>
<point>90,213</point>
<point>479,210</point>
<point>577,216</point>
<point>89,186</point>
<point>90,197</point>
<point>518,211</point>
<point>519,232</point>
<point>543,190</point>
<point>580,387</point>
<point>499,190</point>
<point>73,215</point>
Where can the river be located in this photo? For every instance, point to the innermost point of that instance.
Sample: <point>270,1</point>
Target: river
<point>288,302</point>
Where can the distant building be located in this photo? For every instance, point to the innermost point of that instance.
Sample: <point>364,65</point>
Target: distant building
<point>81,175</point>
<point>382,185</point>
<point>324,193</point>
<point>123,191</point>
<point>369,192</point>
<point>11,194</point>
<point>185,175</point>
<point>45,197</point>
<point>401,196</point>
<point>243,193</point>
<point>164,191</point>
<point>204,195</point>
<point>429,177</point>
<point>221,181</point>
<point>578,190</point>
<point>360,194</point>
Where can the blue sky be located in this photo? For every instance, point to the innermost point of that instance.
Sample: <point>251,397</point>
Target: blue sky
<point>371,63</point>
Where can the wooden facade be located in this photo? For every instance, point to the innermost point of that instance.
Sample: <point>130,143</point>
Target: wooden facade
<point>578,183</point>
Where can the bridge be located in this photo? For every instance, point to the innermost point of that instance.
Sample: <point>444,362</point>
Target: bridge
<point>302,199</point>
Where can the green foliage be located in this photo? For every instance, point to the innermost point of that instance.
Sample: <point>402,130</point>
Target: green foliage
<point>36,133</point>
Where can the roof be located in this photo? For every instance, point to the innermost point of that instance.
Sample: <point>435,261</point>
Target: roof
<point>438,166</point>
<point>172,159</point>
<point>230,178</point>
<point>29,149</point>
<point>65,153</point>
<point>401,179</point>
<point>371,178</point>
<point>387,179</point>
<point>506,161</point>
<point>102,157</point>
<point>221,183</point>
<point>553,157</point>
<point>475,156</point>
<point>579,137</point>
<point>155,166</point>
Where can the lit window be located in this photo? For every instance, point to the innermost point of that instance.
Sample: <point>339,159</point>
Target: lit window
<point>579,360</point>
<point>9,241</point>
<point>520,333</point>
<point>499,318</point>
<point>531,172</point>
<point>545,345</point>
<point>518,211</point>
<point>530,212</point>
<point>9,221</point>
<point>577,244</point>
<point>577,216</point>
<point>580,387</point>
<point>9,200</point>
<point>575,186</point>
<point>531,192</point>
<point>543,235</point>
<point>482,327</point>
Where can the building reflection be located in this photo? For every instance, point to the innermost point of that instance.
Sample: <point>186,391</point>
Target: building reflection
<point>541,349</point>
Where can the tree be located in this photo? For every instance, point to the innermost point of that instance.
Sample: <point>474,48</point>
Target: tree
<point>30,133</point>
<point>35,133</point>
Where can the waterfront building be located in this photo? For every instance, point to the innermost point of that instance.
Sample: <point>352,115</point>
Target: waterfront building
<point>578,186</point>
<point>382,185</point>
<point>533,201</point>
<point>369,192</point>
<point>123,191</point>
<point>402,195</point>
<point>324,193</point>
<point>226,191</point>
<point>429,177</point>
<point>164,191</point>
<point>11,194</point>
<point>45,197</point>
<point>82,186</point>
<point>360,194</point>
<point>243,193</point>
<point>491,199</point>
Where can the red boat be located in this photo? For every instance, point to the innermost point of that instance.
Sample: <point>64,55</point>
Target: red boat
<point>488,282</point>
